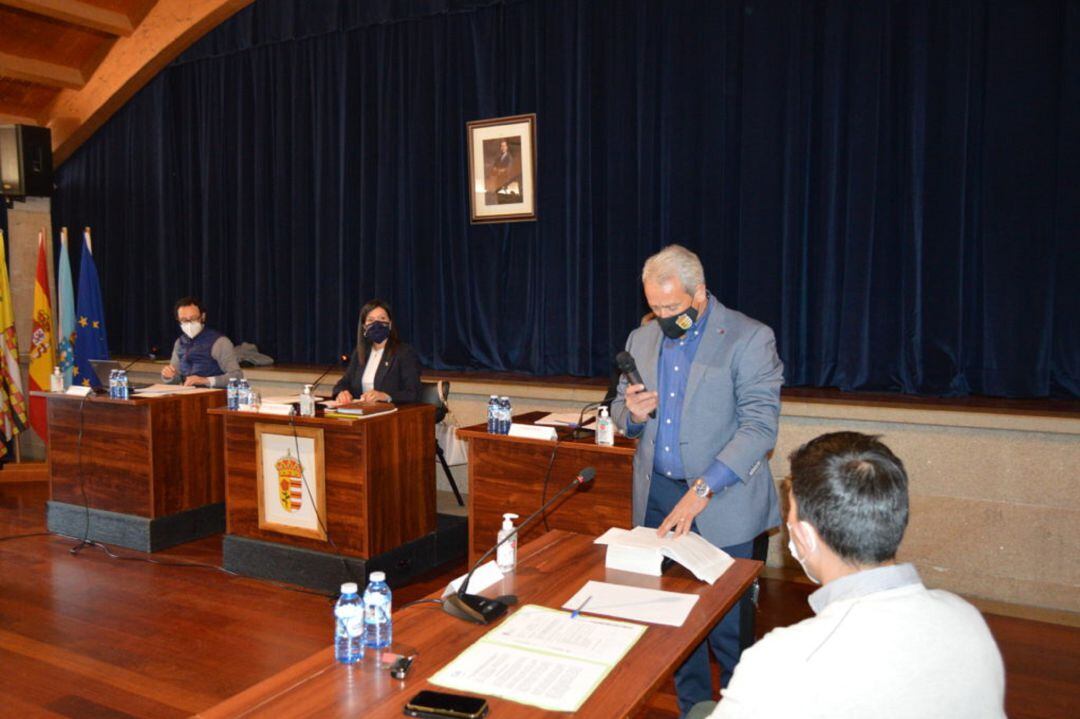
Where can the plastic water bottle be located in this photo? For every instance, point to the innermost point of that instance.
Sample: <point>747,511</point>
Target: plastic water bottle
<point>243,395</point>
<point>123,389</point>
<point>56,380</point>
<point>348,626</point>
<point>113,383</point>
<point>493,414</point>
<point>232,394</point>
<point>378,625</point>
<point>507,415</point>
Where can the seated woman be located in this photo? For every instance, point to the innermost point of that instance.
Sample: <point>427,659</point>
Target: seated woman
<point>382,368</point>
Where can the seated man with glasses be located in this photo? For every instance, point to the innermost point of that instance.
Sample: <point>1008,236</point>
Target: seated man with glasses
<point>201,356</point>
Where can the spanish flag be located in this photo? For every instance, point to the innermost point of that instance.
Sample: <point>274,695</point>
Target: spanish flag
<point>42,357</point>
<point>12,402</point>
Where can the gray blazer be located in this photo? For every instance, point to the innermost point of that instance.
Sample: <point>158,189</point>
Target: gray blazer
<point>731,412</point>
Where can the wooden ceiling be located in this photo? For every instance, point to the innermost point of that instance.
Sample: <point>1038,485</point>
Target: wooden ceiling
<point>70,64</point>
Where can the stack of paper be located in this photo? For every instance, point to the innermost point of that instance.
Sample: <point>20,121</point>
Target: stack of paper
<point>640,550</point>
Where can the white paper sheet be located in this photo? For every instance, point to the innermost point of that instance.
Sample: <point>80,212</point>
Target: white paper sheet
<point>484,576</point>
<point>702,559</point>
<point>567,419</point>
<point>652,606</point>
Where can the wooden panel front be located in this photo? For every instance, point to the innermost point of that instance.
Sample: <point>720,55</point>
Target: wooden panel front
<point>189,464</point>
<point>506,474</point>
<point>147,456</point>
<point>111,462</point>
<point>379,478</point>
<point>344,457</point>
<point>401,471</point>
<point>549,572</point>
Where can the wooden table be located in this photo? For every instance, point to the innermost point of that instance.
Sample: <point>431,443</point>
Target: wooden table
<point>150,467</point>
<point>550,570</point>
<point>379,487</point>
<point>506,474</point>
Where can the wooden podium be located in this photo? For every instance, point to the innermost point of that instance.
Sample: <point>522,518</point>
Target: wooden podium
<point>150,468</point>
<point>367,486</point>
<point>506,474</point>
<point>550,571</point>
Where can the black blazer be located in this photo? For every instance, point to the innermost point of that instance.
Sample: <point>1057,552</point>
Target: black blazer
<point>398,375</point>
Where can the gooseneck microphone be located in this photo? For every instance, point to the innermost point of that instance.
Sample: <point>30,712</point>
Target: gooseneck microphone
<point>628,366</point>
<point>481,610</point>
<point>339,360</point>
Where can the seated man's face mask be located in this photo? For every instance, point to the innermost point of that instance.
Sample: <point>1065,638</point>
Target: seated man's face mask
<point>808,530</point>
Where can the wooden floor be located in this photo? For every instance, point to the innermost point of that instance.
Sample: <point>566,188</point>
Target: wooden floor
<point>92,637</point>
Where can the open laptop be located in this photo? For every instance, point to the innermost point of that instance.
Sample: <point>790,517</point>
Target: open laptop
<point>102,368</point>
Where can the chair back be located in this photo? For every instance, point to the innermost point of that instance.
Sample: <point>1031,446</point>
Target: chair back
<point>435,394</point>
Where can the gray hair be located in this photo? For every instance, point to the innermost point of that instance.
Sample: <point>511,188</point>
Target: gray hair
<point>674,262</point>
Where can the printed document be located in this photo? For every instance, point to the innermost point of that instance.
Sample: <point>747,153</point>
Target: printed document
<point>541,657</point>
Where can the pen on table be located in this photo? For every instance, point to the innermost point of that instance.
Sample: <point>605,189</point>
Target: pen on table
<point>577,611</point>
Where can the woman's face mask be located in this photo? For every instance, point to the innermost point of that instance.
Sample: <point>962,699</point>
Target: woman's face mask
<point>377,332</point>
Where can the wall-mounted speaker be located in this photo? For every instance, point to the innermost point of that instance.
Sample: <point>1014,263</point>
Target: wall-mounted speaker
<point>26,161</point>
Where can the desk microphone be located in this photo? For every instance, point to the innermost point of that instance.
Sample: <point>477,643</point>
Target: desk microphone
<point>626,363</point>
<point>340,359</point>
<point>481,610</point>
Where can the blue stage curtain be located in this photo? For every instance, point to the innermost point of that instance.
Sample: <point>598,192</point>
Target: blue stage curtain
<point>893,186</point>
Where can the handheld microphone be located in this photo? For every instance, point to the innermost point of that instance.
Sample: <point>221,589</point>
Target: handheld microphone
<point>481,610</point>
<point>626,363</point>
<point>340,359</point>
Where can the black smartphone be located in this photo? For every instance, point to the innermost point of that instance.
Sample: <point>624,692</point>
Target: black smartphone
<point>439,705</point>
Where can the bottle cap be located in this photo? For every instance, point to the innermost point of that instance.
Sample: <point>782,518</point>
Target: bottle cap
<point>307,388</point>
<point>377,577</point>
<point>348,588</point>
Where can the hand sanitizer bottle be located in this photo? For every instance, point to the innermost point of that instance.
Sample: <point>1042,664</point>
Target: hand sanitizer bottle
<point>506,554</point>
<point>605,428</point>
<point>307,402</point>
<point>56,381</point>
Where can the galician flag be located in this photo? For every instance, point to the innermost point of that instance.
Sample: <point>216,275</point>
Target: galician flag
<point>12,402</point>
<point>65,299</point>
<point>42,358</point>
<point>90,323</point>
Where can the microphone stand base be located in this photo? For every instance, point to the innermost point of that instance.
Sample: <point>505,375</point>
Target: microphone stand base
<point>473,608</point>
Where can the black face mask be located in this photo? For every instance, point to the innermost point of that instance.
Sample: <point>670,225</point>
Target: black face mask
<point>377,332</point>
<point>675,327</point>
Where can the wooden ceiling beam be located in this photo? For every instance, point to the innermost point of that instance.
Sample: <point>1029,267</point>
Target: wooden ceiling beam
<point>76,12</point>
<point>168,29</point>
<point>41,72</point>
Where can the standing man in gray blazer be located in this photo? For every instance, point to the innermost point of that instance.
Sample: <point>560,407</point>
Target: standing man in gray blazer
<point>712,378</point>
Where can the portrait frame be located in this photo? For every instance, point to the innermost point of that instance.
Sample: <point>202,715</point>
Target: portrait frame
<point>502,169</point>
<point>308,489</point>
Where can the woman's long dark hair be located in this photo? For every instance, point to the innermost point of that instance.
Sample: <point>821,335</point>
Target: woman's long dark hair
<point>363,346</point>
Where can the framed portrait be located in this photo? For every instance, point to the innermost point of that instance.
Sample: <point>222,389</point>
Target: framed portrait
<point>502,169</point>
<point>291,480</point>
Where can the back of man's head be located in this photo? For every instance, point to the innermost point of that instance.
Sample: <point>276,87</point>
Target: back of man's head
<point>853,490</point>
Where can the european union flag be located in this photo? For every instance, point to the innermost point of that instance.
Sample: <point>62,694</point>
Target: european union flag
<point>89,320</point>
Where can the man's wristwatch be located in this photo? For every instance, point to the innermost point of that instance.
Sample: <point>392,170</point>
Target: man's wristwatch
<point>701,488</point>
